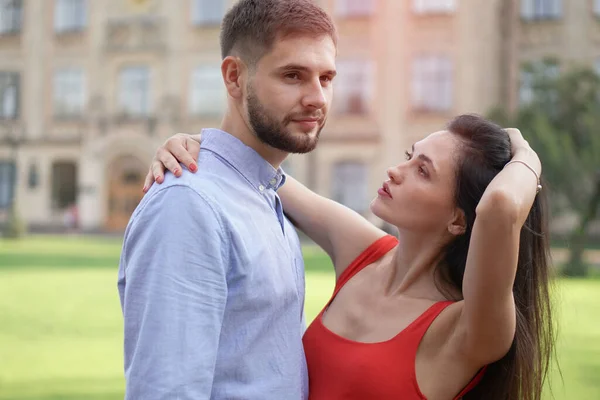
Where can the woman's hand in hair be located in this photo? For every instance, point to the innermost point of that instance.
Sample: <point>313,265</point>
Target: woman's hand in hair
<point>521,150</point>
<point>517,141</point>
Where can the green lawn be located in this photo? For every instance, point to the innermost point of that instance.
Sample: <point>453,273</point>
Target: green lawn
<point>60,321</point>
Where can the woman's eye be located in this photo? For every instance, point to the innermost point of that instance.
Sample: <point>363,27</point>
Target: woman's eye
<point>293,76</point>
<point>408,155</point>
<point>423,171</point>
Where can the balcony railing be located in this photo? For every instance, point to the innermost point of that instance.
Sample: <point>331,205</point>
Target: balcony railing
<point>135,34</point>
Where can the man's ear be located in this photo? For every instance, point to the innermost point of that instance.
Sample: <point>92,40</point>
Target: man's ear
<point>232,69</point>
<point>458,224</point>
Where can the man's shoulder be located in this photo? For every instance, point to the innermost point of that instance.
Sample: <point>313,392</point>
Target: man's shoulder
<point>212,185</point>
<point>174,206</point>
<point>210,190</point>
<point>189,187</point>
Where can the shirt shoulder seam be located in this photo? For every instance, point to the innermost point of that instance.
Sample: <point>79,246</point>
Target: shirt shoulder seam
<point>213,207</point>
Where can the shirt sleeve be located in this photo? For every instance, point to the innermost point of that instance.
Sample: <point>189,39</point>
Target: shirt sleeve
<point>172,281</point>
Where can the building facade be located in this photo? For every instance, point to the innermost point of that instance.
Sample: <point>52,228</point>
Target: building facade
<point>90,88</point>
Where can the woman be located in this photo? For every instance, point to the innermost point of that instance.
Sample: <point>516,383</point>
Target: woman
<point>458,305</point>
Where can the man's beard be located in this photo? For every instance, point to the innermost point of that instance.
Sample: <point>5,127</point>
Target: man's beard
<point>276,134</point>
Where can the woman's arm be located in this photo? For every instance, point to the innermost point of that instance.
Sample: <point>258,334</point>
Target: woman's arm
<point>340,231</point>
<point>487,324</point>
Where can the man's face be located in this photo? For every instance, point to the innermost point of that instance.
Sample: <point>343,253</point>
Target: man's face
<point>289,93</point>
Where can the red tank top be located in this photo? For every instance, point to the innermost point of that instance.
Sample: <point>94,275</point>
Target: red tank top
<point>340,368</point>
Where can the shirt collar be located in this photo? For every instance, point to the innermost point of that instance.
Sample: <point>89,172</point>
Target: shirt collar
<point>255,169</point>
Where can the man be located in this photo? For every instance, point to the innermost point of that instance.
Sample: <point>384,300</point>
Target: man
<point>218,312</point>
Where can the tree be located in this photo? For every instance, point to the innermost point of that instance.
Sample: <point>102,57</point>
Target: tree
<point>561,121</point>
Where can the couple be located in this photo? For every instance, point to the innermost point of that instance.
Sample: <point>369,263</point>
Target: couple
<point>212,278</point>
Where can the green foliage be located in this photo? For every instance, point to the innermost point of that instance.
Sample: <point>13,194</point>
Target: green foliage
<point>15,227</point>
<point>560,122</point>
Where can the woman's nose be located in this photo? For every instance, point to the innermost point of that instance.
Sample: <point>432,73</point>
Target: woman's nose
<point>394,174</point>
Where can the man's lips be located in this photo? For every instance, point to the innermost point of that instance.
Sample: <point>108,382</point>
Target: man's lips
<point>307,123</point>
<point>306,120</point>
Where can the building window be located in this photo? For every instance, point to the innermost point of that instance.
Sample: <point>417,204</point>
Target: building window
<point>597,7</point>
<point>69,93</point>
<point>434,6</point>
<point>134,91</point>
<point>529,76</point>
<point>350,185</point>
<point>353,87</point>
<point>541,9</point>
<point>355,8</point>
<point>33,178</point>
<point>70,15</point>
<point>432,83</point>
<point>207,96</point>
<point>9,95</point>
<point>207,12</point>
<point>64,185</point>
<point>11,16</point>
<point>7,183</point>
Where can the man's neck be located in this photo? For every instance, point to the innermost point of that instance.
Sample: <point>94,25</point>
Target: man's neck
<point>236,126</point>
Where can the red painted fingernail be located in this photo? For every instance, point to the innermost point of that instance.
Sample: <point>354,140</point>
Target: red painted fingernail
<point>193,167</point>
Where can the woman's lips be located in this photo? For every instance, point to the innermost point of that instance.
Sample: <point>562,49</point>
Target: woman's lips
<point>385,190</point>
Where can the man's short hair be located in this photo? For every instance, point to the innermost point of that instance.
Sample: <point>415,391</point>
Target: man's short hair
<point>251,27</point>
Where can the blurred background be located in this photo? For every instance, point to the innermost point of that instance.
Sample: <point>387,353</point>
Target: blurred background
<point>90,88</point>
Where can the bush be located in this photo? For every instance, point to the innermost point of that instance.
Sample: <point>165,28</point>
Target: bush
<point>15,227</point>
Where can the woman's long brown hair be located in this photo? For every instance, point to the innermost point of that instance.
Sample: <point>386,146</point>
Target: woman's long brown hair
<point>521,373</point>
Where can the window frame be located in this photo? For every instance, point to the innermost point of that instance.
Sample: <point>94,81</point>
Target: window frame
<point>143,108</point>
<point>70,16</point>
<point>433,83</point>
<point>15,25</point>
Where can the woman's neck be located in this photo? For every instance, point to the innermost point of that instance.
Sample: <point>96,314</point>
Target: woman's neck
<point>413,267</point>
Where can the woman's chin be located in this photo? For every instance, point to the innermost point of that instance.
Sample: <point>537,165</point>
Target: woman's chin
<point>382,211</point>
<point>377,208</point>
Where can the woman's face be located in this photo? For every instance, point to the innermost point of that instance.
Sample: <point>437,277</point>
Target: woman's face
<point>419,194</point>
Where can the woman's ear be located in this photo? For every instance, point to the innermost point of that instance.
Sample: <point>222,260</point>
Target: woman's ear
<point>458,224</point>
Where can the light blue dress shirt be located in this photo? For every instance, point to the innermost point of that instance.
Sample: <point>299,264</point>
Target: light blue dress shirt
<point>211,282</point>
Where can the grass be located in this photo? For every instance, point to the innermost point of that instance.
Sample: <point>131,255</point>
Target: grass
<point>61,327</point>
<point>578,344</point>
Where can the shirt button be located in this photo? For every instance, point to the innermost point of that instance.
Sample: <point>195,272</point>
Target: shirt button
<point>273,182</point>
<point>261,188</point>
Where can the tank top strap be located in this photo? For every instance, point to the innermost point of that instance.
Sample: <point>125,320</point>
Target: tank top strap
<point>371,254</point>
<point>419,326</point>
<point>413,334</point>
<point>416,331</point>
